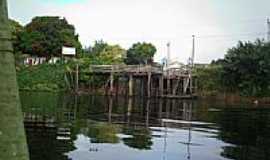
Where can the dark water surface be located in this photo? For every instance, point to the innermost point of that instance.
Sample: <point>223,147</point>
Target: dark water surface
<point>66,127</point>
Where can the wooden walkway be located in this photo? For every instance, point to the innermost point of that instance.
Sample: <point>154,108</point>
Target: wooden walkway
<point>126,69</point>
<point>154,80</point>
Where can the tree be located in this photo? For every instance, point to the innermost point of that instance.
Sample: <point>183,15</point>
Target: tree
<point>112,54</point>
<point>98,47</point>
<point>246,68</point>
<point>12,135</point>
<point>140,53</point>
<point>45,36</point>
<point>103,53</point>
<point>16,28</point>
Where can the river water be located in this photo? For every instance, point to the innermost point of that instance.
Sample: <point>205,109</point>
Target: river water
<point>68,127</point>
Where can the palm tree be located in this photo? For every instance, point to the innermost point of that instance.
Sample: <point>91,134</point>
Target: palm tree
<point>12,135</point>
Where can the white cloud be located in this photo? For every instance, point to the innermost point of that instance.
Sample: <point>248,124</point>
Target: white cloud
<point>157,21</point>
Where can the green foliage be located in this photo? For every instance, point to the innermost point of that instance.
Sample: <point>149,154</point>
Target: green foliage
<point>112,55</point>
<point>103,133</point>
<point>103,53</point>
<point>45,36</point>
<point>140,53</point>
<point>141,138</point>
<point>42,78</point>
<point>98,47</point>
<point>16,28</point>
<point>42,103</point>
<point>209,79</point>
<point>247,68</point>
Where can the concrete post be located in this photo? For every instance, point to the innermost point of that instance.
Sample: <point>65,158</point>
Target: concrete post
<point>13,144</point>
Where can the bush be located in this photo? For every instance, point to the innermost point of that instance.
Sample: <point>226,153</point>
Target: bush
<point>45,77</point>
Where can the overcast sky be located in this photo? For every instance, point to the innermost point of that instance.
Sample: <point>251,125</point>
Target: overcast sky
<point>217,24</point>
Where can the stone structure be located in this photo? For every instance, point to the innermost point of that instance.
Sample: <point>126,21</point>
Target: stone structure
<point>12,135</point>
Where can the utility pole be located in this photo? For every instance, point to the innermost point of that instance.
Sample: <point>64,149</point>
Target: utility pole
<point>193,51</point>
<point>168,54</point>
<point>192,64</point>
<point>268,28</point>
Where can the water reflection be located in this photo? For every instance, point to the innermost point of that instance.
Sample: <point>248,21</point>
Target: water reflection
<point>65,127</point>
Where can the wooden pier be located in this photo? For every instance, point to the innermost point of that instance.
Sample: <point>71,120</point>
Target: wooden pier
<point>144,80</point>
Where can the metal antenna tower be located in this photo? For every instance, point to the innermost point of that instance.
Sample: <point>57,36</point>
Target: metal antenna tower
<point>268,29</point>
<point>168,54</point>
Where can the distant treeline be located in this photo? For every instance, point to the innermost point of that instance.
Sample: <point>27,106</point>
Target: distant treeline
<point>244,70</point>
<point>45,37</point>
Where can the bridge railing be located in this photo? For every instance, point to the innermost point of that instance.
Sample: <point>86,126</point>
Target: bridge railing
<point>125,68</point>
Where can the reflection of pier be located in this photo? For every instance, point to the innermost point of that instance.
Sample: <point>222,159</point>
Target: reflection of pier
<point>186,121</point>
<point>146,112</point>
<point>144,80</point>
<point>49,140</point>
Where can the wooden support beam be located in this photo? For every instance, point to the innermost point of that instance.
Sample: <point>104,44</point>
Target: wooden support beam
<point>110,109</point>
<point>168,107</point>
<point>147,112</point>
<point>129,109</point>
<point>111,83</point>
<point>130,85</point>
<point>195,85</point>
<point>117,86</point>
<point>161,86</point>
<point>176,86</point>
<point>149,84</point>
<point>168,86</point>
<point>77,79</point>
<point>185,84</point>
<point>191,84</point>
<point>160,109</point>
<point>142,90</point>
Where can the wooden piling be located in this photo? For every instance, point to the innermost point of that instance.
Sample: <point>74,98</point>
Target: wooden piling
<point>129,109</point>
<point>168,86</point>
<point>77,79</point>
<point>110,109</point>
<point>185,85</point>
<point>161,85</point>
<point>149,84</point>
<point>130,85</point>
<point>152,79</point>
<point>111,83</point>
<point>160,105</point>
<point>142,90</point>
<point>147,112</point>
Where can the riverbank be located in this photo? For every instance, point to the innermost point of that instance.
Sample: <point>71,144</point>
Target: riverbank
<point>55,78</point>
<point>235,98</point>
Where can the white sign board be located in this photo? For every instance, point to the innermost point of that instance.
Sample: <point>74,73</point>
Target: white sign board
<point>69,51</point>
